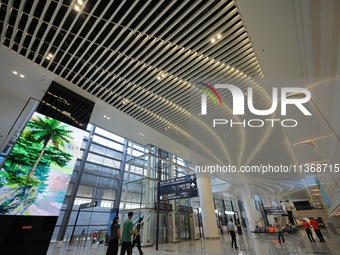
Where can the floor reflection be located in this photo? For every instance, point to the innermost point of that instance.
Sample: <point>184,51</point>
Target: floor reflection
<point>249,244</point>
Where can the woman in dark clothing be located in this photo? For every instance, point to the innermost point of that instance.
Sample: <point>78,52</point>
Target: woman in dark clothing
<point>114,236</point>
<point>136,237</point>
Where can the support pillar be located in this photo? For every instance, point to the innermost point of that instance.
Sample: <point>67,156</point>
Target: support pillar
<point>248,206</point>
<point>210,229</point>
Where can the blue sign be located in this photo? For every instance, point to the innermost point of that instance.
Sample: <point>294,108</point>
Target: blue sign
<point>178,180</point>
<point>180,187</point>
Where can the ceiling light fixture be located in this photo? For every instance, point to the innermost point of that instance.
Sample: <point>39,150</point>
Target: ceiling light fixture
<point>79,4</point>
<point>161,75</point>
<point>16,73</point>
<point>49,56</point>
<point>214,39</point>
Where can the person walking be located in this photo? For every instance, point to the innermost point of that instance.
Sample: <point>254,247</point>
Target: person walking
<point>114,236</point>
<point>316,228</point>
<point>127,234</point>
<point>307,227</point>
<point>136,237</point>
<point>278,226</point>
<point>231,229</point>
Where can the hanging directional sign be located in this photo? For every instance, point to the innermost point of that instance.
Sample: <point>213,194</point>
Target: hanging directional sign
<point>273,210</point>
<point>179,180</point>
<point>180,187</point>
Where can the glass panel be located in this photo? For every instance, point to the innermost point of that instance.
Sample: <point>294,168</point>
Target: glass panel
<point>85,191</point>
<point>110,172</point>
<point>101,132</point>
<point>97,149</point>
<point>116,138</point>
<point>116,146</point>
<point>89,179</point>
<point>111,162</point>
<point>92,168</point>
<point>95,158</point>
<point>107,182</point>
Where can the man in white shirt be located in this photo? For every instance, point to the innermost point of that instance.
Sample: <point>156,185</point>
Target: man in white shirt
<point>231,229</point>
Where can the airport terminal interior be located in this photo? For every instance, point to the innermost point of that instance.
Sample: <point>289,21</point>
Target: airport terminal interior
<point>190,114</point>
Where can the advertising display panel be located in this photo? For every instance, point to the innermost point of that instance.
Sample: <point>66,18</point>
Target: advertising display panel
<point>37,171</point>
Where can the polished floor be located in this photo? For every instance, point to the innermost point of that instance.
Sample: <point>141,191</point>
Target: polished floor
<point>249,244</point>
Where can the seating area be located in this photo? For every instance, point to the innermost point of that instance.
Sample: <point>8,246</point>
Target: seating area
<point>290,229</point>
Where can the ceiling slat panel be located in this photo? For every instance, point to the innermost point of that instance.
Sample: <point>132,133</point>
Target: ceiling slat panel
<point>119,50</point>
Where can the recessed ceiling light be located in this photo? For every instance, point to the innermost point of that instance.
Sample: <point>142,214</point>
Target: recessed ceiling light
<point>77,8</point>
<point>80,2</point>
<point>15,72</point>
<point>219,36</point>
<point>213,40</point>
<point>22,76</point>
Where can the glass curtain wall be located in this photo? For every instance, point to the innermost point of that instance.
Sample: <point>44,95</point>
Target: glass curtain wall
<point>96,177</point>
<point>118,173</point>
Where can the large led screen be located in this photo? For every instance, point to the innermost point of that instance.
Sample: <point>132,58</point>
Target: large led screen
<point>35,176</point>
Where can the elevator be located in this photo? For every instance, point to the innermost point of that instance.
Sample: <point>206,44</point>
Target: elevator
<point>163,230</point>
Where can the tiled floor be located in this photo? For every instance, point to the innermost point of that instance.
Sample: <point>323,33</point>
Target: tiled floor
<point>249,243</point>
